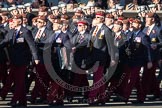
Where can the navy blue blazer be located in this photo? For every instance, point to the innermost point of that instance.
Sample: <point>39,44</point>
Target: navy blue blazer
<point>21,47</point>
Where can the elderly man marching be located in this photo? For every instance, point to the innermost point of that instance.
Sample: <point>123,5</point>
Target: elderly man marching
<point>135,53</point>
<point>41,37</point>
<point>21,47</point>
<point>102,50</point>
<point>152,31</point>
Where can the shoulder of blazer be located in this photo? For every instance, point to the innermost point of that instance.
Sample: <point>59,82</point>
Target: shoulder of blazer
<point>142,33</point>
<point>105,28</point>
<point>24,29</point>
<point>92,29</point>
<point>48,30</point>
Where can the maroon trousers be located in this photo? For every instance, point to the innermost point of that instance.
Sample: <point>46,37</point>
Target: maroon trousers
<point>97,92</point>
<point>3,73</point>
<point>131,80</point>
<point>16,76</point>
<point>56,92</point>
<point>80,80</point>
<point>149,81</point>
<point>41,82</point>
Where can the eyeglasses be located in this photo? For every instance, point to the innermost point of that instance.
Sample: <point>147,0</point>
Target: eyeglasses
<point>39,21</point>
<point>98,17</point>
<point>80,25</point>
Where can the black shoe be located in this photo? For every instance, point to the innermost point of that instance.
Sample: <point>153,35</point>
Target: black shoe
<point>154,98</point>
<point>2,98</point>
<point>56,104</point>
<point>121,99</point>
<point>93,103</point>
<point>13,104</point>
<point>138,102</point>
<point>70,100</point>
<point>41,101</point>
<point>32,101</point>
<point>22,105</point>
<point>101,103</point>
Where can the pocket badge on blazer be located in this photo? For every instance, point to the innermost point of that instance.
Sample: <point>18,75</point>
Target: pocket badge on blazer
<point>153,40</point>
<point>138,39</point>
<point>20,40</point>
<point>101,35</point>
<point>59,40</point>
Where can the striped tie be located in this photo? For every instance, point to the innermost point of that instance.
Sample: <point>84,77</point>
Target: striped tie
<point>95,31</point>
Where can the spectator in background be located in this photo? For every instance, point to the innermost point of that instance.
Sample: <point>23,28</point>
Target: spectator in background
<point>9,3</point>
<point>19,2</point>
<point>111,4</point>
<point>43,3</point>
<point>38,3</point>
<point>132,5</point>
<point>35,4</point>
<point>101,3</point>
<point>158,4</point>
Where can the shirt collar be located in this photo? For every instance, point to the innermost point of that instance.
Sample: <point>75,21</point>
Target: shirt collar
<point>18,28</point>
<point>118,33</point>
<point>43,28</point>
<point>82,32</point>
<point>64,31</point>
<point>110,26</point>
<point>136,33</point>
<point>5,24</point>
<point>99,25</point>
<point>58,31</point>
<point>151,27</point>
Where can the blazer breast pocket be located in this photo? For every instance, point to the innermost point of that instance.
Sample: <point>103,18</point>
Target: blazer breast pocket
<point>20,40</point>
